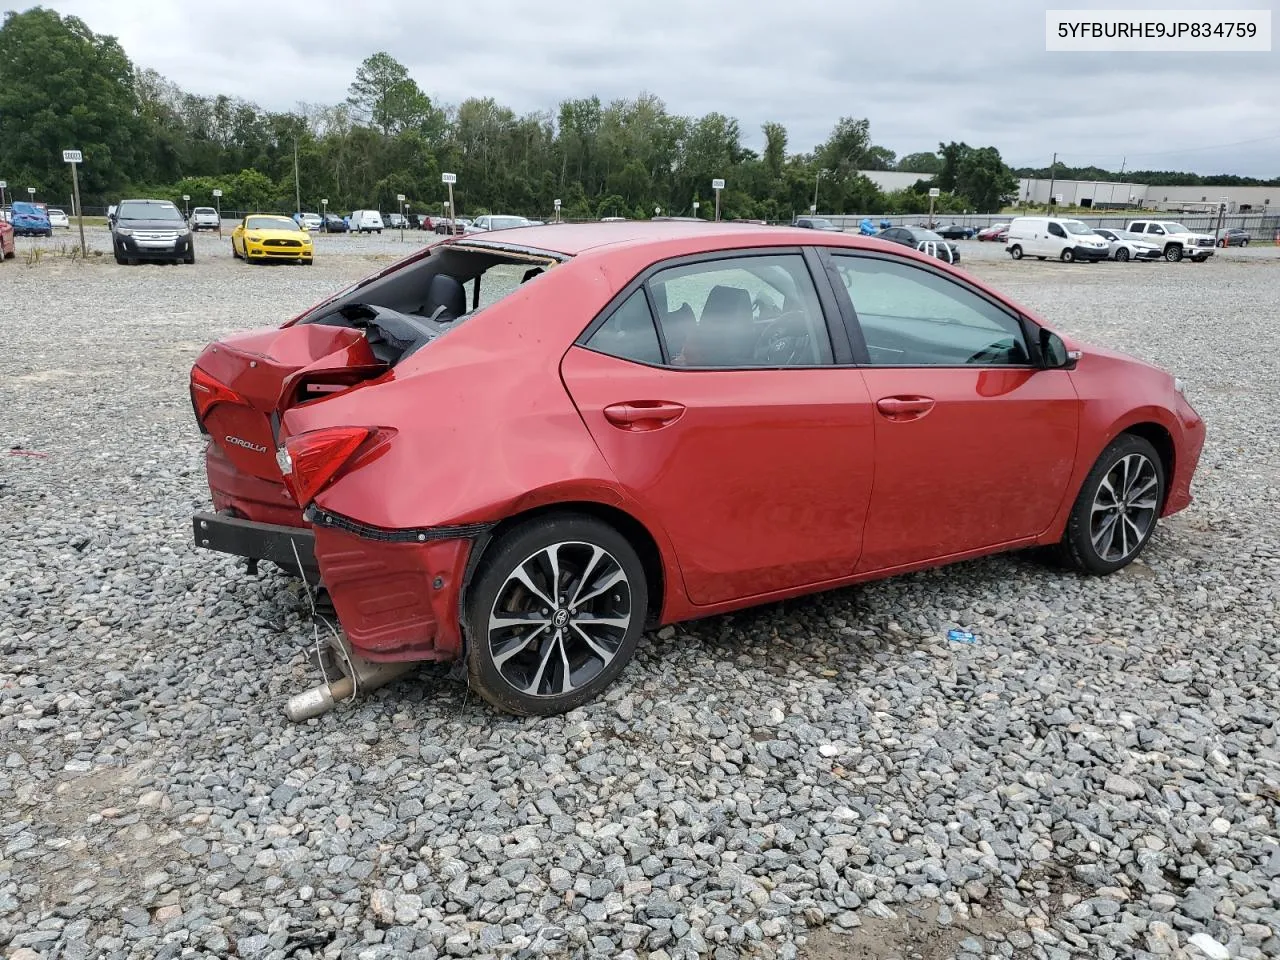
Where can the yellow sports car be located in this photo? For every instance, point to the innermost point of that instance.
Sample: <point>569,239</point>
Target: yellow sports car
<point>260,237</point>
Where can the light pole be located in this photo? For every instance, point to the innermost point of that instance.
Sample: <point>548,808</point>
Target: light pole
<point>450,179</point>
<point>817,180</point>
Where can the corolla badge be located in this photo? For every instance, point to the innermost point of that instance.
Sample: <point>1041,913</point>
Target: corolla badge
<point>248,445</point>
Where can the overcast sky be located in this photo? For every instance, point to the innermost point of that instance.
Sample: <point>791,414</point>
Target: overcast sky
<point>920,70</point>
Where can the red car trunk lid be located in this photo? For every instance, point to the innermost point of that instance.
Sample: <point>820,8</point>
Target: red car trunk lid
<point>272,370</point>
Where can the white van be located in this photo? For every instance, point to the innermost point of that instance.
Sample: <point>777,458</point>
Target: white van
<point>366,221</point>
<point>1056,237</point>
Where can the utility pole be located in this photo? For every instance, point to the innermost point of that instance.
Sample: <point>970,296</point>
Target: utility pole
<point>1052,171</point>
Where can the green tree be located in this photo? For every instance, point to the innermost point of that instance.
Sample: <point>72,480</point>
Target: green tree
<point>920,163</point>
<point>64,87</point>
<point>846,149</point>
<point>775,148</point>
<point>984,179</point>
<point>385,94</point>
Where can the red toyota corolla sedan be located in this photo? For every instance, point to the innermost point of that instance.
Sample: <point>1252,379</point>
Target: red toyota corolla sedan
<point>525,447</point>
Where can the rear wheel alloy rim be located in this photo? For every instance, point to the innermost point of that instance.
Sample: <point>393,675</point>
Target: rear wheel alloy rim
<point>559,619</point>
<point>1124,508</point>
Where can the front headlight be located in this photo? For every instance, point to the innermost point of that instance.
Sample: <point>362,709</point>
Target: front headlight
<point>124,231</point>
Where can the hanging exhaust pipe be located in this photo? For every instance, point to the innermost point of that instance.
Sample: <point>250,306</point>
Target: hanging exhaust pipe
<point>364,675</point>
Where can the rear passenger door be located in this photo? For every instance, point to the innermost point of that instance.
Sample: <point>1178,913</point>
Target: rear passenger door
<point>715,390</point>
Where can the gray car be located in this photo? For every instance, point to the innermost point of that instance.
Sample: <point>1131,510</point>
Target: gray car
<point>1128,246</point>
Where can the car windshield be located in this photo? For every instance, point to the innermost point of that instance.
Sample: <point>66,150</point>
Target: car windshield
<point>148,210</point>
<point>920,235</point>
<point>819,223</point>
<point>1077,228</point>
<point>504,223</point>
<point>205,210</point>
<point>270,223</point>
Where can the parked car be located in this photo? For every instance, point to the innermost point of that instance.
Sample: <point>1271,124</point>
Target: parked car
<point>996,232</point>
<point>1058,237</point>
<point>816,223</point>
<point>956,231</point>
<point>260,238</point>
<point>308,221</point>
<point>918,238</point>
<point>1233,237</point>
<point>1175,240</point>
<point>1125,246</point>
<point>59,218</point>
<point>446,226</point>
<point>205,218</point>
<point>151,230</point>
<point>542,573</point>
<point>395,221</point>
<point>333,223</point>
<point>7,247</point>
<point>29,220</point>
<point>365,221</point>
<point>495,222</point>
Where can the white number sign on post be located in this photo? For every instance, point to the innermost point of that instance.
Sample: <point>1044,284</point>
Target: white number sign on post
<point>717,185</point>
<point>556,203</point>
<point>217,198</point>
<point>75,158</point>
<point>400,213</point>
<point>450,179</point>
<point>934,193</point>
<point>4,185</point>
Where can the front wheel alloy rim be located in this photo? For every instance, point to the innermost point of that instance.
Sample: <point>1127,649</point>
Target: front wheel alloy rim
<point>559,619</point>
<point>1124,508</point>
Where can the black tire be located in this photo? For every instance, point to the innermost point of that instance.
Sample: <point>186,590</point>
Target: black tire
<point>573,538</point>
<point>120,257</point>
<point>1016,252</point>
<point>1040,258</point>
<point>1173,253</point>
<point>1244,243</point>
<point>1122,255</point>
<point>234,254</point>
<point>190,257</point>
<point>1068,255</point>
<point>1086,529</point>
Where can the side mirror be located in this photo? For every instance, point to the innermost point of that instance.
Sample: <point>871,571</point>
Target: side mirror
<point>1054,354</point>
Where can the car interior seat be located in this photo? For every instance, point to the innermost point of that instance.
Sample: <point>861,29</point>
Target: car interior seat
<point>446,299</point>
<point>725,334</point>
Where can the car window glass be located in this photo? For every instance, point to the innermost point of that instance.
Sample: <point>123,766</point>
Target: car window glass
<point>911,316</point>
<point>742,312</point>
<point>629,333</point>
<point>1057,230</point>
<point>1155,228</point>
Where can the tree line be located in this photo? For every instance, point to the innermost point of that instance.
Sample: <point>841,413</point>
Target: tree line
<point>62,85</point>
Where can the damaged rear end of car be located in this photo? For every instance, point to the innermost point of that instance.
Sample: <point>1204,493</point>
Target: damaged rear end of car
<point>275,407</point>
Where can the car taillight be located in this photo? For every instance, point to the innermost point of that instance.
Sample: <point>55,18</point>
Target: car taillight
<point>310,460</point>
<point>206,391</point>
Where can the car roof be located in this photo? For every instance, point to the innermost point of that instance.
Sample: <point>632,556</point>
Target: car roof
<point>571,239</point>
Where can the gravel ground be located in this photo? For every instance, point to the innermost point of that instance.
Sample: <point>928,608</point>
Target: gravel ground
<point>1097,776</point>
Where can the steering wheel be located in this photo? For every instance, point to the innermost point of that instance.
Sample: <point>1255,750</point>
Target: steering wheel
<point>998,352</point>
<point>785,342</point>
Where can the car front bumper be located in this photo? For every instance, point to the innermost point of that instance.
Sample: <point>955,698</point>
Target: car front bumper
<point>260,251</point>
<point>137,249</point>
<point>1091,253</point>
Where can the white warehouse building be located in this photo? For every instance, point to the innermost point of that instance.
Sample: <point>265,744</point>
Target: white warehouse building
<point>1115,195</point>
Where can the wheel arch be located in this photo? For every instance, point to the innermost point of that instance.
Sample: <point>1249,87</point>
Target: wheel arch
<point>636,533</point>
<point>1159,437</point>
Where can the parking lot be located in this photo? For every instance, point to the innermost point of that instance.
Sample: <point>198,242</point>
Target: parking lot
<point>1097,775</point>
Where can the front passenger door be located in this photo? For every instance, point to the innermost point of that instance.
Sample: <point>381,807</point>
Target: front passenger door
<point>974,444</point>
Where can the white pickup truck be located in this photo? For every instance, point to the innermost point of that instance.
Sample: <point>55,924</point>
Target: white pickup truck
<point>1175,240</point>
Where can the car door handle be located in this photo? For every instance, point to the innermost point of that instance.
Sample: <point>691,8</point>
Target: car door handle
<point>904,408</point>
<point>640,415</point>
